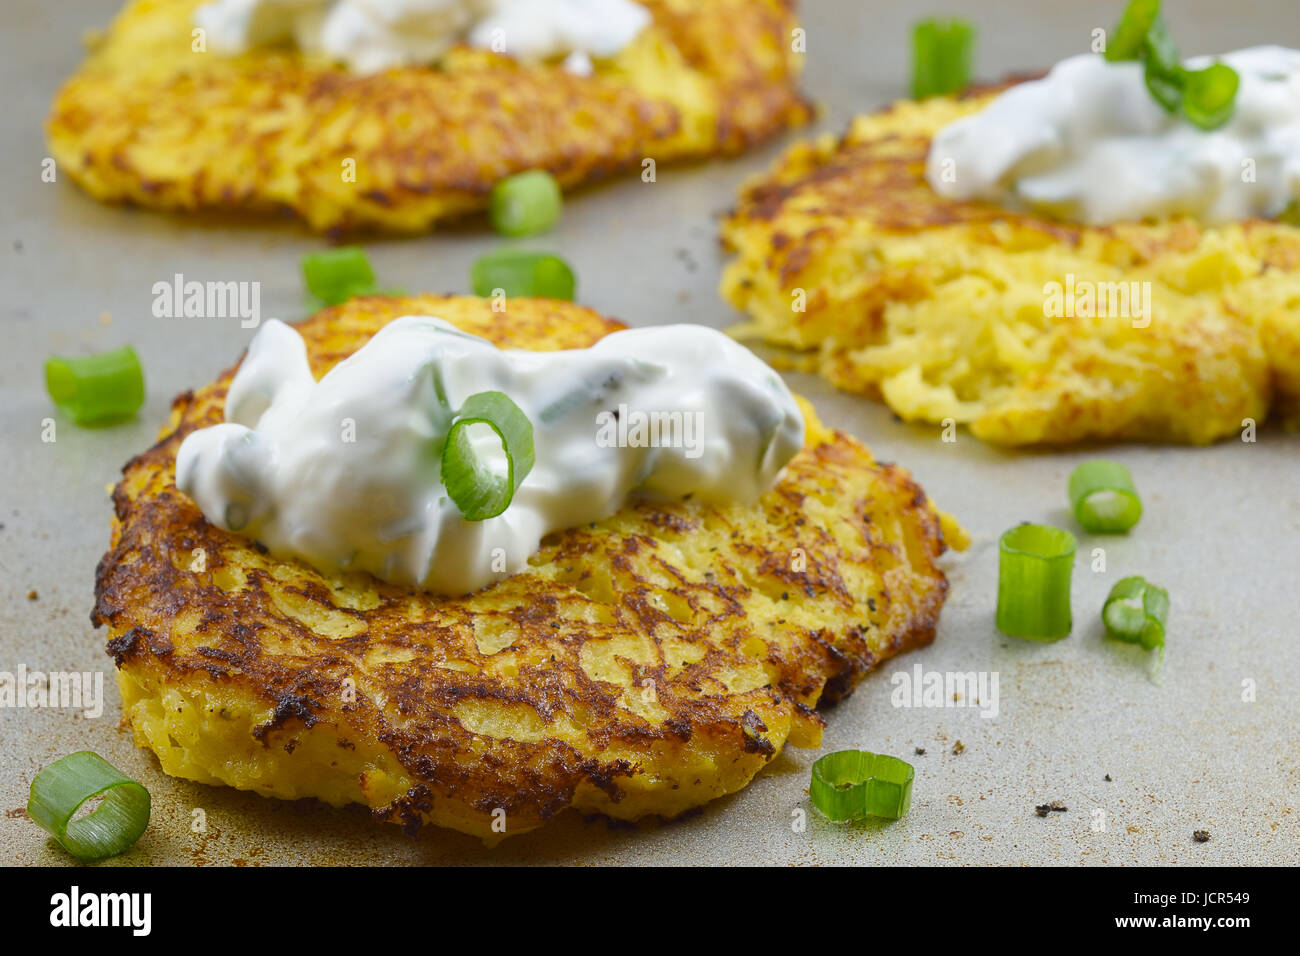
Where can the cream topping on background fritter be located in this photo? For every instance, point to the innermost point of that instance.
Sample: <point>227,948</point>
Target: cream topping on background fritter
<point>149,120</point>
<point>1088,143</point>
<point>375,35</point>
<point>345,472</point>
<point>1031,330</point>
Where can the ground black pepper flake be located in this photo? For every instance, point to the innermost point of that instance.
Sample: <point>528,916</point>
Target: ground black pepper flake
<point>1108,780</point>
<point>1056,806</point>
<point>1201,836</point>
<point>920,751</point>
<point>958,747</point>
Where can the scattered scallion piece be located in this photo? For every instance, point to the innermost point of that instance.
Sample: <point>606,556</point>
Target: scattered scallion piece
<point>943,53</point>
<point>1103,497</point>
<point>97,389</point>
<point>59,791</point>
<point>525,204</point>
<point>1206,98</point>
<point>1135,612</point>
<point>1035,565</point>
<point>336,275</point>
<point>852,784</point>
<point>518,272</point>
<point>471,484</point>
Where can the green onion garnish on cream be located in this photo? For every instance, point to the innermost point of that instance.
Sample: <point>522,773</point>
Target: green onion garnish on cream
<point>1205,97</point>
<point>477,491</point>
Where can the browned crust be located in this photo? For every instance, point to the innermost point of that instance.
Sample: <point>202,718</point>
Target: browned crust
<point>870,576</point>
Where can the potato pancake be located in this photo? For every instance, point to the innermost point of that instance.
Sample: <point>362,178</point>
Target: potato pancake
<point>147,121</point>
<point>644,664</point>
<point>1026,329</point>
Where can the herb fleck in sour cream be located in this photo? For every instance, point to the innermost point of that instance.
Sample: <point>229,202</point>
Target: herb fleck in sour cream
<point>1089,143</point>
<point>375,35</point>
<point>344,472</point>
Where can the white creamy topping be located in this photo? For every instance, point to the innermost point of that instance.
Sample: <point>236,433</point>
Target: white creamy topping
<point>345,472</point>
<point>1089,143</point>
<point>374,35</point>
<point>533,30</point>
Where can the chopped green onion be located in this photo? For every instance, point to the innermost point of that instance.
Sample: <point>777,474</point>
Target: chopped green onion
<point>1035,565</point>
<point>1135,613</point>
<point>61,789</point>
<point>1164,72</point>
<point>1160,50</point>
<point>1103,498</point>
<point>526,204</point>
<point>97,389</point>
<point>517,272</point>
<point>336,275</point>
<point>942,57</point>
<point>1209,95</point>
<point>1127,38</point>
<point>1165,89</point>
<point>852,784</point>
<point>477,492</point>
<point>1206,98</point>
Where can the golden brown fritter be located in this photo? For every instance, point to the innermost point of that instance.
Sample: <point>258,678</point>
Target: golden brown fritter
<point>644,664</point>
<point>941,308</point>
<point>146,120</point>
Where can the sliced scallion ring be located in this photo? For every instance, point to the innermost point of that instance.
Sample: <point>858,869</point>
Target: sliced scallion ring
<point>1103,498</point>
<point>852,784</point>
<point>336,275</point>
<point>59,791</point>
<point>519,272</point>
<point>97,389</point>
<point>1035,565</point>
<point>525,204</point>
<point>1135,612</point>
<point>477,491</point>
<point>1164,71</point>
<point>1209,95</point>
<point>942,57</point>
<point>1126,39</point>
<point>1206,98</point>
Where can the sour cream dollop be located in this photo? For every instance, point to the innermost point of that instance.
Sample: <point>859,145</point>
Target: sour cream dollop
<point>1088,143</point>
<point>345,472</point>
<point>375,35</point>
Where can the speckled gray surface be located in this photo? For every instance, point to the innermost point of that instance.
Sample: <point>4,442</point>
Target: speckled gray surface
<point>1221,531</point>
